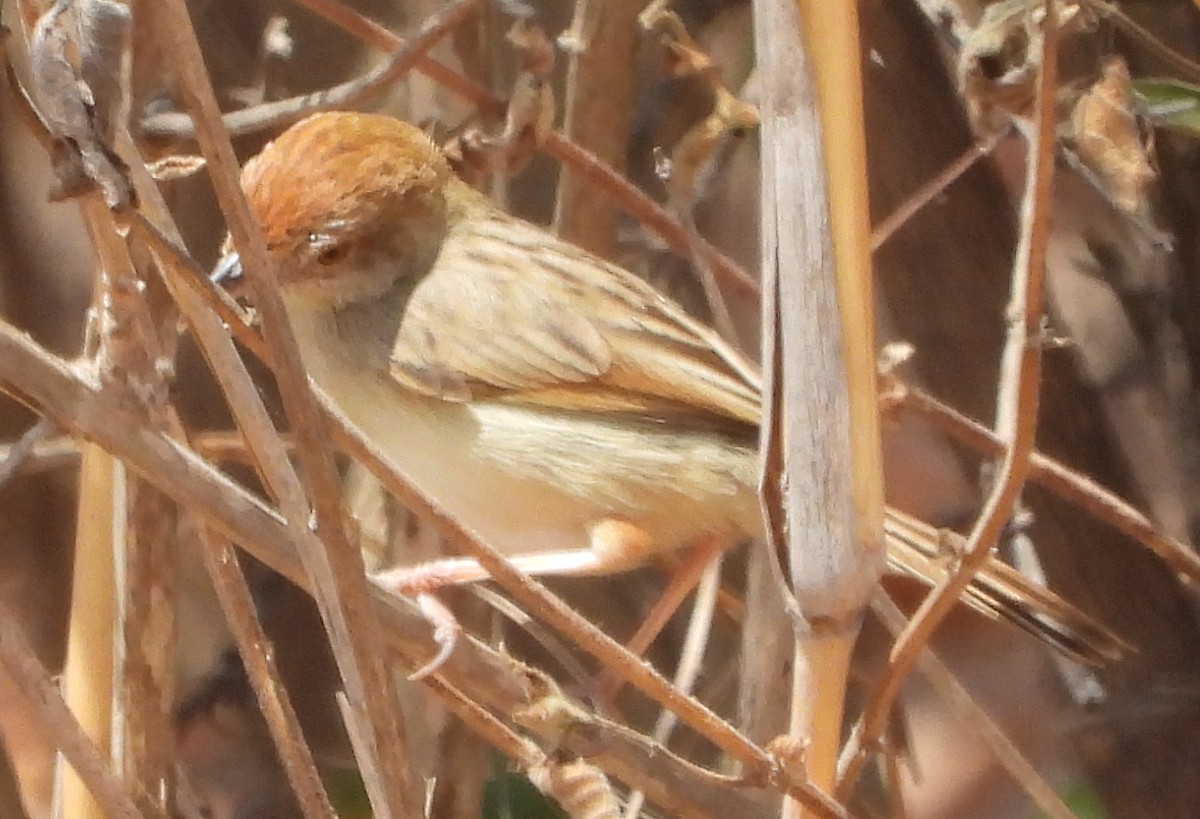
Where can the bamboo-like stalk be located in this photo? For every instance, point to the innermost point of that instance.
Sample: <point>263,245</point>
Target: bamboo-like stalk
<point>831,30</point>
<point>88,673</point>
<point>832,39</point>
<point>819,354</point>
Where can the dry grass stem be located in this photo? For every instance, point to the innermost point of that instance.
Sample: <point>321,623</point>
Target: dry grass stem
<point>254,648</point>
<point>116,797</point>
<point>934,188</point>
<point>186,274</point>
<point>556,648</point>
<point>334,563</point>
<point>685,578</point>
<point>691,656</point>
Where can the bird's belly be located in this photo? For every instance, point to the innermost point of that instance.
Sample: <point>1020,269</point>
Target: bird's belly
<point>674,485</point>
<point>530,480</point>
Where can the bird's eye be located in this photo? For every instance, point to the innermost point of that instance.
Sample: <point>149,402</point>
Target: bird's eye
<point>331,254</point>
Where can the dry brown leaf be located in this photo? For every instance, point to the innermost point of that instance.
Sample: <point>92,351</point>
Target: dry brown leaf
<point>690,162</point>
<point>1113,138</point>
<point>692,158</point>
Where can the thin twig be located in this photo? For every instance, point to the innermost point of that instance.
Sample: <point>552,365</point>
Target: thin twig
<point>556,648</point>
<point>700,559</point>
<point>501,737</point>
<point>718,305</point>
<point>691,657</point>
<point>963,704</point>
<point>372,33</point>
<point>191,276</point>
<point>934,188</point>
<point>178,124</point>
<point>647,212</point>
<point>1017,403</point>
<point>1063,481</point>
<point>19,454</point>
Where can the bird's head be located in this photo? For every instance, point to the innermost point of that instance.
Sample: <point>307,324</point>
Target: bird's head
<point>347,203</point>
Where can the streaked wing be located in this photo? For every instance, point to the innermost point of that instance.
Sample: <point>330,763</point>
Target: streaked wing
<point>515,314</point>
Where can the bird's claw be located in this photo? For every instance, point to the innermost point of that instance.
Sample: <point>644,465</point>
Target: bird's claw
<point>416,582</point>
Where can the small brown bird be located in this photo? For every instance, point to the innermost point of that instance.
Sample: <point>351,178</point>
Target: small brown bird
<point>558,405</point>
<point>564,410</point>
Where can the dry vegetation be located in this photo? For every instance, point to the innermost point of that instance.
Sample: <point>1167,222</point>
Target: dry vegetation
<point>179,580</point>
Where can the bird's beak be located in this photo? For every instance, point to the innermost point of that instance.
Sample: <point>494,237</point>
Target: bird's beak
<point>228,271</point>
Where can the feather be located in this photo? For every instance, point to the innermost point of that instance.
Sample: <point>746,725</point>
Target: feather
<point>513,314</point>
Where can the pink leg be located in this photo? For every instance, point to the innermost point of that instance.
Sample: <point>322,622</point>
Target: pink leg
<point>615,545</point>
